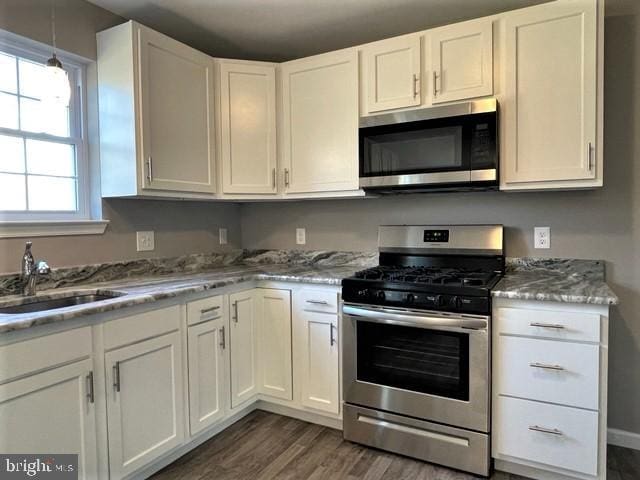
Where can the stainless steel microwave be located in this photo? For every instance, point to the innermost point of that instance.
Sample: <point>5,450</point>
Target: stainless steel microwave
<point>447,147</point>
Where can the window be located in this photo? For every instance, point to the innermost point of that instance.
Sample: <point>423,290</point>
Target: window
<point>43,158</point>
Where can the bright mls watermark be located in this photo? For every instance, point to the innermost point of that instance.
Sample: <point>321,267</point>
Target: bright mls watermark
<point>39,466</point>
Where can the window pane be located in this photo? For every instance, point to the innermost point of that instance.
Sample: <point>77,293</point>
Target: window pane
<point>52,193</point>
<point>8,73</point>
<point>31,78</point>
<point>49,158</point>
<point>37,116</point>
<point>8,110</point>
<point>11,154</point>
<point>12,192</point>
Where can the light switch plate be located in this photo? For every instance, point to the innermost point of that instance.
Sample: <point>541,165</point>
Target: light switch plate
<point>542,237</point>
<point>222,235</point>
<point>301,236</point>
<point>145,241</point>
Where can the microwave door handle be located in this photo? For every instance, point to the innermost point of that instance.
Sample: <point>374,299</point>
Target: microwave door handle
<point>384,315</point>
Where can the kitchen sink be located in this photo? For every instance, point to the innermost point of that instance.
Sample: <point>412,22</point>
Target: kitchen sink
<point>41,305</point>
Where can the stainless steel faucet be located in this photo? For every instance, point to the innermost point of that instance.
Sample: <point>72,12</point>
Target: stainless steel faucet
<point>31,270</point>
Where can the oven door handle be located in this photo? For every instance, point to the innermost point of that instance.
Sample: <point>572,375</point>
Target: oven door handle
<point>384,315</point>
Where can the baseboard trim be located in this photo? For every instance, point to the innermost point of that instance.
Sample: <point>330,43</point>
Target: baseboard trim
<point>623,438</point>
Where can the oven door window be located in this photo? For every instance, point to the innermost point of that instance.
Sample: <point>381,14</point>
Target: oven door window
<point>433,362</point>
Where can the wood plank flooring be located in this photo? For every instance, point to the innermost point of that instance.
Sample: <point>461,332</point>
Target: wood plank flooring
<point>264,446</point>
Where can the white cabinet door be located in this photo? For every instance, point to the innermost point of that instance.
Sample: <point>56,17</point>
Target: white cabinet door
<point>208,367</point>
<point>392,73</point>
<point>274,344</point>
<point>248,128</point>
<point>243,345</point>
<point>319,361</point>
<point>51,412</point>
<point>144,402</point>
<point>549,109</point>
<point>176,116</point>
<point>320,123</point>
<point>462,61</point>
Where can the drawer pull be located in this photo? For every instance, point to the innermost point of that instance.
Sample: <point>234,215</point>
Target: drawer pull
<point>556,326</point>
<point>546,366</point>
<point>207,310</point>
<point>318,302</point>
<point>551,431</point>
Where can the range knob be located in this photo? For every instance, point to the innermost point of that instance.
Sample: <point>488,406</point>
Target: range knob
<point>456,302</point>
<point>440,301</point>
<point>380,295</point>
<point>410,298</point>
<point>364,293</point>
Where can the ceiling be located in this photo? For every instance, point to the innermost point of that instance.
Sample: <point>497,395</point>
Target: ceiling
<point>285,29</point>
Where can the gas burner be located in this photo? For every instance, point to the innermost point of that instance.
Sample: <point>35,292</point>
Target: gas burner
<point>428,275</point>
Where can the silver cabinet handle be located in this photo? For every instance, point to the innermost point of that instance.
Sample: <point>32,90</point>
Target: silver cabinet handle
<point>332,339</point>
<point>590,156</point>
<point>273,178</point>
<point>416,83</point>
<point>286,177</point>
<point>150,169</point>
<point>435,87</point>
<point>235,312</point>
<point>317,302</point>
<point>546,366</point>
<point>205,311</point>
<point>211,309</point>
<point>223,341</point>
<point>552,431</point>
<point>116,376</point>
<point>90,391</point>
<point>557,326</point>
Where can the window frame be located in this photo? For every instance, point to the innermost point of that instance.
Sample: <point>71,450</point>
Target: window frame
<point>77,71</point>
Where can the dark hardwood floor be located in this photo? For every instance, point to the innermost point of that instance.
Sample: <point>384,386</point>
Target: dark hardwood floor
<point>266,446</point>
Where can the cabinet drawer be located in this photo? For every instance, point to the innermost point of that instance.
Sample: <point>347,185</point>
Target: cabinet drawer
<point>558,436</point>
<point>124,331</point>
<point>583,327</point>
<point>22,358</point>
<point>204,310</point>
<point>316,300</point>
<point>549,371</point>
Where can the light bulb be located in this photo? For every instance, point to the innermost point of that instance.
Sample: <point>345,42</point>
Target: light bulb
<point>56,89</point>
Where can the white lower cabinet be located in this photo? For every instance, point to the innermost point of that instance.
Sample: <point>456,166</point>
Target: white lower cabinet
<point>52,412</point>
<point>317,345</point>
<point>208,373</point>
<point>550,389</point>
<point>274,345</point>
<point>243,345</point>
<point>145,408</point>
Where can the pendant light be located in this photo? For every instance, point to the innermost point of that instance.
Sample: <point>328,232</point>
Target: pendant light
<point>56,87</point>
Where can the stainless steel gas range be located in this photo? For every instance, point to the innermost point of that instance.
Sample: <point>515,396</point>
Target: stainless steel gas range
<point>416,336</point>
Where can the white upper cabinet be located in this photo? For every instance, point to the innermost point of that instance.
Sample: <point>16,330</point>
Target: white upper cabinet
<point>320,123</point>
<point>392,73</point>
<point>156,115</point>
<point>461,61</point>
<point>549,110</point>
<point>248,128</point>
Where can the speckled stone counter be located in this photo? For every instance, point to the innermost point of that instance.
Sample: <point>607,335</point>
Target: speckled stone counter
<point>555,280</point>
<point>144,281</point>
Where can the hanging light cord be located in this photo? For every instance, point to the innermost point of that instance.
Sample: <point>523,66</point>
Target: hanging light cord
<point>53,26</point>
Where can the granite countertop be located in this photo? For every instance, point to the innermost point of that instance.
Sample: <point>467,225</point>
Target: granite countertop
<point>556,280</point>
<point>140,290</point>
<point>143,281</point>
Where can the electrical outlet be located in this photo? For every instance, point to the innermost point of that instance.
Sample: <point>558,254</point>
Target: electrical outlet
<point>301,236</point>
<point>145,241</point>
<point>222,236</point>
<point>542,237</point>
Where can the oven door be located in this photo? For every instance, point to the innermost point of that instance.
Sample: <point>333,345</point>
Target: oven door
<point>428,365</point>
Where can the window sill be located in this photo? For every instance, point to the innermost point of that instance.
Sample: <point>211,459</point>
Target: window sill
<point>48,228</point>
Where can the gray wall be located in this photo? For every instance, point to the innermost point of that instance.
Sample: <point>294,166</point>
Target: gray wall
<point>600,224</point>
<point>181,227</point>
